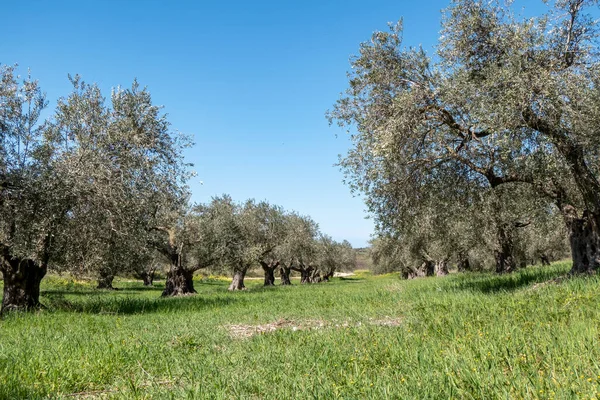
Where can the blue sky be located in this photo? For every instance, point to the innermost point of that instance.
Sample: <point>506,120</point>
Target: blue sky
<point>250,80</point>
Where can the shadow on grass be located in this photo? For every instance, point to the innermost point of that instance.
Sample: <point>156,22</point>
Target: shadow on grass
<point>345,279</point>
<point>152,288</point>
<point>101,292</point>
<point>15,390</point>
<point>213,282</point>
<point>487,283</point>
<point>94,304</point>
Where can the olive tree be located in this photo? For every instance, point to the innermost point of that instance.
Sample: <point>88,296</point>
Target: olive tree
<point>256,229</point>
<point>133,175</point>
<point>333,256</point>
<point>536,81</point>
<point>32,197</point>
<point>483,108</point>
<point>300,248</point>
<point>80,190</point>
<point>299,235</point>
<point>194,239</point>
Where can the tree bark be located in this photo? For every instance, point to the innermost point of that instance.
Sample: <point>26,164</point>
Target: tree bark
<point>22,279</point>
<point>238,280</point>
<point>179,282</point>
<point>427,268</point>
<point>269,270</point>
<point>305,274</point>
<point>505,261</point>
<point>147,277</point>
<point>284,272</point>
<point>315,276</point>
<point>105,279</point>
<point>584,238</point>
<point>441,268</point>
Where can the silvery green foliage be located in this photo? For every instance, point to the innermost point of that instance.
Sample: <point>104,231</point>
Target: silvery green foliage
<point>334,256</point>
<point>31,196</point>
<point>243,233</point>
<point>435,140</point>
<point>128,168</point>
<point>299,244</point>
<point>84,187</point>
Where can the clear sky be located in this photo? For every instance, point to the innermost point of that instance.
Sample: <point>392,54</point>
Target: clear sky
<point>250,80</point>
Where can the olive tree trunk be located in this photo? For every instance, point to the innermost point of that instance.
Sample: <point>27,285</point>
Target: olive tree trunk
<point>463,263</point>
<point>545,260</point>
<point>505,260</point>
<point>427,268</point>
<point>179,282</point>
<point>284,273</point>
<point>328,276</point>
<point>269,269</point>
<point>147,277</point>
<point>22,278</point>
<point>238,280</point>
<point>305,275</point>
<point>584,237</point>
<point>315,276</point>
<point>441,268</point>
<point>105,279</point>
<point>308,273</point>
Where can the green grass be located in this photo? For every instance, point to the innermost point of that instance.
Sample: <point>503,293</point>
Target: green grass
<point>471,336</point>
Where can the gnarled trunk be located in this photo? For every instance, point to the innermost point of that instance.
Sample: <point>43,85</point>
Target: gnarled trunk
<point>315,276</point>
<point>505,263</point>
<point>305,274</point>
<point>105,279</point>
<point>179,282</point>
<point>269,270</point>
<point>584,237</point>
<point>284,273</point>
<point>427,268</point>
<point>147,277</point>
<point>505,260</point>
<point>441,268</point>
<point>22,279</point>
<point>238,280</point>
<point>328,276</point>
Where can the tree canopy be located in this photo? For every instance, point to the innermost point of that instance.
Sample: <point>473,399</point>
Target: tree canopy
<point>507,104</point>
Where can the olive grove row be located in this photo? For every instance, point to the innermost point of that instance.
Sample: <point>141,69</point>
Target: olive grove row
<point>99,188</point>
<point>486,153</point>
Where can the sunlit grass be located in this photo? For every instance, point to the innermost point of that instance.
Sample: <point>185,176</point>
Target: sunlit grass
<point>463,336</point>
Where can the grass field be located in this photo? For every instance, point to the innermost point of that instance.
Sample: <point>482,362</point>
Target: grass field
<point>471,336</point>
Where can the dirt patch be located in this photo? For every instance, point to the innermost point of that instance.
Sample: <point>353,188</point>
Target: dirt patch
<point>243,331</point>
<point>554,281</point>
<point>387,321</point>
<point>342,274</point>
